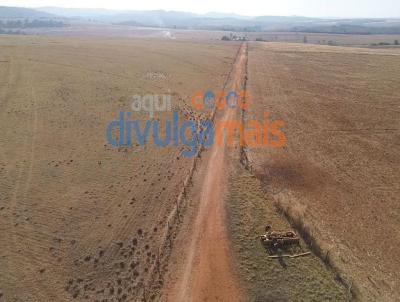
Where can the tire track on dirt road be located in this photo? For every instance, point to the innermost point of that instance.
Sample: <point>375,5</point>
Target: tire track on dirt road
<point>207,270</point>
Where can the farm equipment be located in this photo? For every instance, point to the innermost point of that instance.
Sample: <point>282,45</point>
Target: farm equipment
<point>279,239</point>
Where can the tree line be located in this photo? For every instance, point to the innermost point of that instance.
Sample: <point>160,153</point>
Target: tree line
<point>12,24</point>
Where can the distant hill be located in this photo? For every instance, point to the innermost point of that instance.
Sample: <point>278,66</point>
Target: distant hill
<point>7,12</point>
<point>90,13</point>
<point>213,20</point>
<point>226,15</point>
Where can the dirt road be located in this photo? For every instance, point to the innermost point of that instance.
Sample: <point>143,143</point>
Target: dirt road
<point>207,273</point>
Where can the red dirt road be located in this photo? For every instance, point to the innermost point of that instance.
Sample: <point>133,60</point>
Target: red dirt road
<point>207,273</point>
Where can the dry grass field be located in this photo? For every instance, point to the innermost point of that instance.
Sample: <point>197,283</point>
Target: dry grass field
<point>106,30</point>
<point>338,176</point>
<point>80,220</point>
<point>324,38</point>
<point>264,279</point>
<point>103,30</point>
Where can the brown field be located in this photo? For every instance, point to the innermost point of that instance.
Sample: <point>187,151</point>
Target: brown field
<point>102,30</point>
<point>324,39</point>
<point>83,221</point>
<point>78,218</point>
<point>338,175</point>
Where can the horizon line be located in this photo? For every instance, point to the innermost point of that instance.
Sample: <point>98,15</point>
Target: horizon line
<point>195,13</point>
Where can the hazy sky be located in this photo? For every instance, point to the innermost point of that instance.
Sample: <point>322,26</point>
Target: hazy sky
<point>312,8</point>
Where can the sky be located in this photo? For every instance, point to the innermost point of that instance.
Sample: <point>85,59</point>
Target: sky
<point>309,8</point>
